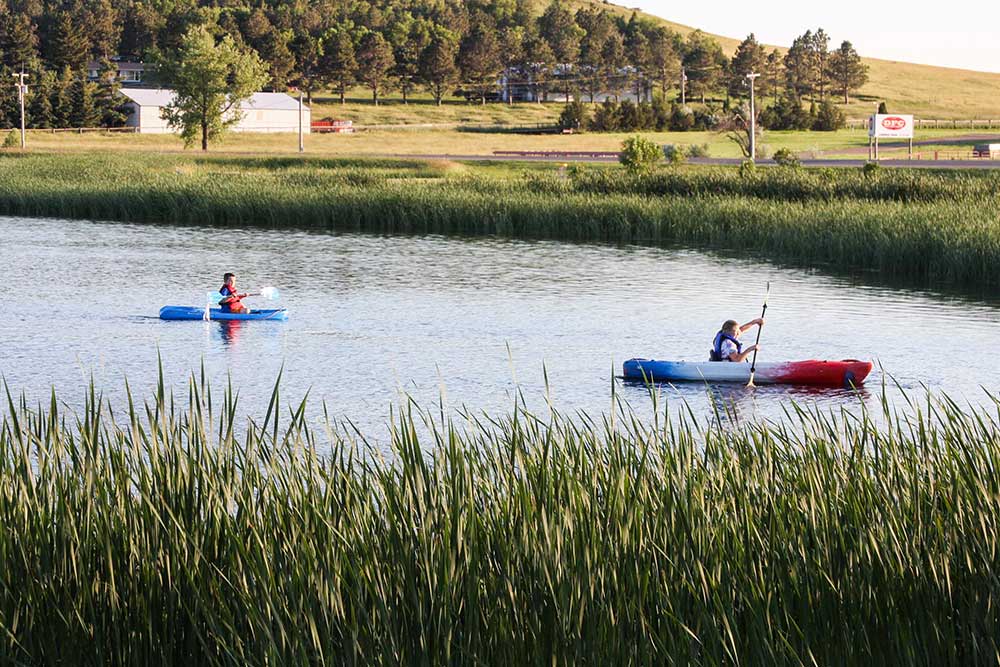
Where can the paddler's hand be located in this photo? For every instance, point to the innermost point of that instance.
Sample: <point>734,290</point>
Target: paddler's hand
<point>759,321</point>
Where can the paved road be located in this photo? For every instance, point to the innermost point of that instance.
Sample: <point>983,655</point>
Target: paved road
<point>911,164</point>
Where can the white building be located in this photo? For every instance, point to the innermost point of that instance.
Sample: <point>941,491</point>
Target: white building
<point>262,112</point>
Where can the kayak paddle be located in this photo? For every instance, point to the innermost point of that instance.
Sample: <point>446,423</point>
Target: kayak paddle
<point>753,364</point>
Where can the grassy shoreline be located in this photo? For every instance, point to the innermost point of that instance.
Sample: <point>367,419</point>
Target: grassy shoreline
<point>159,537</point>
<point>925,227</point>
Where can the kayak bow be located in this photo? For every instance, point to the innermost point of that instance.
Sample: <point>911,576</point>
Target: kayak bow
<point>195,313</point>
<point>845,373</point>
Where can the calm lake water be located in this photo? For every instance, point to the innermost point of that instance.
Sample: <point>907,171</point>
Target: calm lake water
<point>373,318</point>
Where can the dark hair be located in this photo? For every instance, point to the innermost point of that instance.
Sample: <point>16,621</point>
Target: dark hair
<point>730,325</point>
<point>226,277</point>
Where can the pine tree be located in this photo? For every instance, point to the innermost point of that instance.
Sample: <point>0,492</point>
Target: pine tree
<point>612,64</point>
<point>375,61</point>
<point>597,27</point>
<point>306,51</point>
<point>337,64</point>
<point>666,60</point>
<point>409,38</point>
<point>70,45</point>
<point>85,112</point>
<point>638,55</point>
<point>479,59</point>
<point>107,101</point>
<point>560,30</point>
<point>846,70</point>
<point>62,99</point>
<point>703,63</point>
<point>103,23</point>
<point>19,42</point>
<point>537,64</point>
<point>278,56</point>
<point>40,107</point>
<point>437,64</point>
<point>799,66</point>
<point>821,58</point>
<point>749,57</point>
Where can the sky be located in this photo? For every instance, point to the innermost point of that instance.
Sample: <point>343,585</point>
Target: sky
<point>955,33</point>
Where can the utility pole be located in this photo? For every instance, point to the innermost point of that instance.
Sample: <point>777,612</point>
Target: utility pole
<point>684,79</point>
<point>22,90</point>
<point>302,146</point>
<point>753,117</point>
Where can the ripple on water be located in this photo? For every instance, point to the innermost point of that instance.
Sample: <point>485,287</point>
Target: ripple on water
<point>375,315</point>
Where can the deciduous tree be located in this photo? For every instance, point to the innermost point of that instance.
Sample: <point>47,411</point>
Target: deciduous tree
<point>210,80</point>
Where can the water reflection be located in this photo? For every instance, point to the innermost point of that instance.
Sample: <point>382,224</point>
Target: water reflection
<point>229,331</point>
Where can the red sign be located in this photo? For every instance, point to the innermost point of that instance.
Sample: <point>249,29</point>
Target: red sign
<point>894,123</point>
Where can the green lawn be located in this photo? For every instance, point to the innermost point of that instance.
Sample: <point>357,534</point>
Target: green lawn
<point>455,142</point>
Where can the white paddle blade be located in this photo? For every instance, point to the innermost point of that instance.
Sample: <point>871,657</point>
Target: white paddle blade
<point>270,293</point>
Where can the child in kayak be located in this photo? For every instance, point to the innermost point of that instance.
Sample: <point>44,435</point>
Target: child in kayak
<point>727,347</point>
<point>231,299</point>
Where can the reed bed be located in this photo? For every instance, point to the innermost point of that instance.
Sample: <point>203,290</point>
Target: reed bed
<point>928,228</point>
<point>159,536</point>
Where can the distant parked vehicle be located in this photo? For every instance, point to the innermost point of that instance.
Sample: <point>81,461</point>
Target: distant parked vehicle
<point>333,125</point>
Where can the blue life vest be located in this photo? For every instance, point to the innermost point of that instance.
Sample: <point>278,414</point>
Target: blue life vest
<point>716,353</point>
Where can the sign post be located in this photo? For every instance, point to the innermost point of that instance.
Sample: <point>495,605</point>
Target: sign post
<point>898,126</point>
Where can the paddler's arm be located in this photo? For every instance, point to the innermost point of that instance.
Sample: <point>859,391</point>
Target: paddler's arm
<point>759,322</point>
<point>740,357</point>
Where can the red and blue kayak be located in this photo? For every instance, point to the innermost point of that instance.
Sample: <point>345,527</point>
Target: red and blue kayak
<point>845,373</point>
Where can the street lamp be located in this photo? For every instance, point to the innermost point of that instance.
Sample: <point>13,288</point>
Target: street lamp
<point>753,117</point>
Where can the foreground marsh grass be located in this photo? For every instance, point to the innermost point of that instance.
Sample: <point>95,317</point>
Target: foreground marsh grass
<point>158,536</point>
<point>927,227</point>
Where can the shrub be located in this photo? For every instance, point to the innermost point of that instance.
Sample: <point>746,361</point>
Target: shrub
<point>675,153</point>
<point>785,158</point>
<point>697,150</point>
<point>882,108</point>
<point>12,140</point>
<point>871,169</point>
<point>748,168</point>
<point>705,119</point>
<point>829,118</point>
<point>661,114</point>
<point>681,118</point>
<point>607,118</point>
<point>574,116</point>
<point>786,114</point>
<point>635,116</point>
<point>639,155</point>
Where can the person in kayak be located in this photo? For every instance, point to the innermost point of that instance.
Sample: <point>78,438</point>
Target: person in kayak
<point>231,298</point>
<point>727,346</point>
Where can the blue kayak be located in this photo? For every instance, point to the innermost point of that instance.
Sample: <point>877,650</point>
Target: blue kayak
<point>195,313</point>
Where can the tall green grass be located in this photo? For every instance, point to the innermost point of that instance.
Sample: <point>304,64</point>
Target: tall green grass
<point>159,536</point>
<point>916,226</point>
